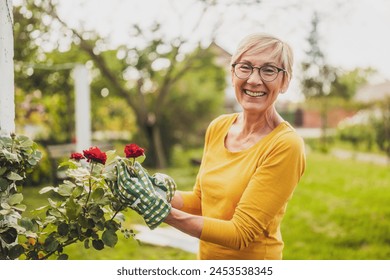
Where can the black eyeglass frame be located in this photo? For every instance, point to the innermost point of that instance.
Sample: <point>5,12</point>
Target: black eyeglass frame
<point>259,68</point>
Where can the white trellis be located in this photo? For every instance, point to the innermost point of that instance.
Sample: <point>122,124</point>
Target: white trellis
<point>82,107</point>
<point>7,99</point>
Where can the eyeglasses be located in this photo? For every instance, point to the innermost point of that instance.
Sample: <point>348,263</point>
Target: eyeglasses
<point>268,73</point>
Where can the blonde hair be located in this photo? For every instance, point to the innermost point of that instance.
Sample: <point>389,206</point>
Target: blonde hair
<point>259,42</point>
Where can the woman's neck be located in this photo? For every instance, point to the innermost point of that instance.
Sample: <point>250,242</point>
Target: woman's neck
<point>255,123</point>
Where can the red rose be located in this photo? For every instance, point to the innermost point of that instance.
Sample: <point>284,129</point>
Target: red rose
<point>76,156</point>
<point>133,151</point>
<point>95,154</point>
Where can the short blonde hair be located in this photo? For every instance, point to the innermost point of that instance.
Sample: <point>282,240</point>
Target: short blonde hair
<point>259,42</point>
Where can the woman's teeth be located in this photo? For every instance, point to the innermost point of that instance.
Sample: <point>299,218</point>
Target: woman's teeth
<point>254,94</point>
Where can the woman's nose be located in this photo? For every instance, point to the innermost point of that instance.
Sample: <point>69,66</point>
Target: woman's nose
<point>255,78</point>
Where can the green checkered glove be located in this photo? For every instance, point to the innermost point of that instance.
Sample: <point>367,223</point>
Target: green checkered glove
<point>164,185</point>
<point>134,188</point>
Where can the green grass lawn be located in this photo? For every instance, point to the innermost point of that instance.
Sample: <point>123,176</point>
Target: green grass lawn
<point>340,210</point>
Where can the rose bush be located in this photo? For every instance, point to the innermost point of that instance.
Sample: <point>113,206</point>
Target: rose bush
<point>18,156</point>
<point>81,209</point>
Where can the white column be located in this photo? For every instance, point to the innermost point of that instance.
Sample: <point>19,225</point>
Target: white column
<point>7,90</point>
<point>82,108</point>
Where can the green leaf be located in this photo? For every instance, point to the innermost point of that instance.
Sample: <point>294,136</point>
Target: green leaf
<point>51,244</point>
<point>77,191</point>
<point>96,212</point>
<point>19,207</point>
<point>110,238</point>
<point>100,225</point>
<point>15,199</point>
<point>69,163</point>
<point>14,176</point>
<point>55,213</point>
<point>112,225</point>
<point>111,155</point>
<point>10,156</point>
<point>47,189</point>
<point>98,194</point>
<point>53,203</point>
<point>63,257</point>
<point>25,142</point>
<point>140,159</point>
<point>32,161</point>
<point>26,223</point>
<point>9,235</point>
<point>39,210</point>
<point>5,206</point>
<point>65,190</point>
<point>3,184</point>
<point>98,244</point>
<point>16,251</point>
<point>86,243</point>
<point>5,212</point>
<point>72,209</point>
<point>3,170</point>
<point>63,229</point>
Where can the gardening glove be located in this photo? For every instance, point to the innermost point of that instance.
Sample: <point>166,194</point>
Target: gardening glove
<point>164,185</point>
<point>134,188</point>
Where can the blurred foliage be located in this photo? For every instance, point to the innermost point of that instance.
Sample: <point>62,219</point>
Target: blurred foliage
<point>357,135</point>
<point>154,90</point>
<point>381,125</point>
<point>325,86</point>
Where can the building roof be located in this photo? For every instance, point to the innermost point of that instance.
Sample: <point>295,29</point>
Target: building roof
<point>373,93</point>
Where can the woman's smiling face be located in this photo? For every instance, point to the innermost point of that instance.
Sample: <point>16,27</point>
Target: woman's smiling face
<point>252,93</point>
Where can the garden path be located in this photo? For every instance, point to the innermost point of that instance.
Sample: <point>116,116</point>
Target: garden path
<point>167,236</point>
<point>367,157</point>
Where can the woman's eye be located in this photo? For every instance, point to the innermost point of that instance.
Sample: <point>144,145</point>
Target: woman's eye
<point>268,70</point>
<point>245,68</point>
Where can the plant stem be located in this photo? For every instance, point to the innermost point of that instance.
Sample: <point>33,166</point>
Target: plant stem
<point>90,183</point>
<point>62,246</point>
<point>13,142</point>
<point>116,212</point>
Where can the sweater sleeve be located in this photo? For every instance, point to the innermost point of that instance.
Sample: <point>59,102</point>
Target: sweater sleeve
<point>265,196</point>
<point>192,199</point>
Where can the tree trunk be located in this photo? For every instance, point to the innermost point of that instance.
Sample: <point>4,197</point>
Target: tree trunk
<point>156,148</point>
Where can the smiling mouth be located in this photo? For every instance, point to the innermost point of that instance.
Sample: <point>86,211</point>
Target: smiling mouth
<point>254,94</point>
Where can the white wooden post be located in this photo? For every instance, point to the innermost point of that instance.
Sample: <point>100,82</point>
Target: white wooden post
<point>7,99</point>
<point>82,108</point>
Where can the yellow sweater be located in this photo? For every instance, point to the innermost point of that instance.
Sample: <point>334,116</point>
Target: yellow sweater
<point>243,195</point>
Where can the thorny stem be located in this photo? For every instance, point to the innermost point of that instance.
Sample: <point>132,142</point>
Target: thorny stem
<point>117,211</point>
<point>89,184</point>
<point>62,245</point>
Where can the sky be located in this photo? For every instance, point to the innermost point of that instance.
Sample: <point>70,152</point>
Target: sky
<point>353,33</point>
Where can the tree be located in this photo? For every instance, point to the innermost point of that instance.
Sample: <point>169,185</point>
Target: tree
<point>346,83</point>
<point>143,76</point>
<point>381,125</point>
<point>317,78</point>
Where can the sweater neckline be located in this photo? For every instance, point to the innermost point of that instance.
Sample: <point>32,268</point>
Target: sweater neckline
<point>269,135</point>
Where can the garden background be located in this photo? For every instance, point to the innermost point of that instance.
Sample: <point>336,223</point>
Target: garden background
<point>162,86</point>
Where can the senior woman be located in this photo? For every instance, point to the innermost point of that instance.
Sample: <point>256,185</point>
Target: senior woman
<point>251,164</point>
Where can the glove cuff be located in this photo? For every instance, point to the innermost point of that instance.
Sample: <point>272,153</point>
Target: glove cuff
<point>156,212</point>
